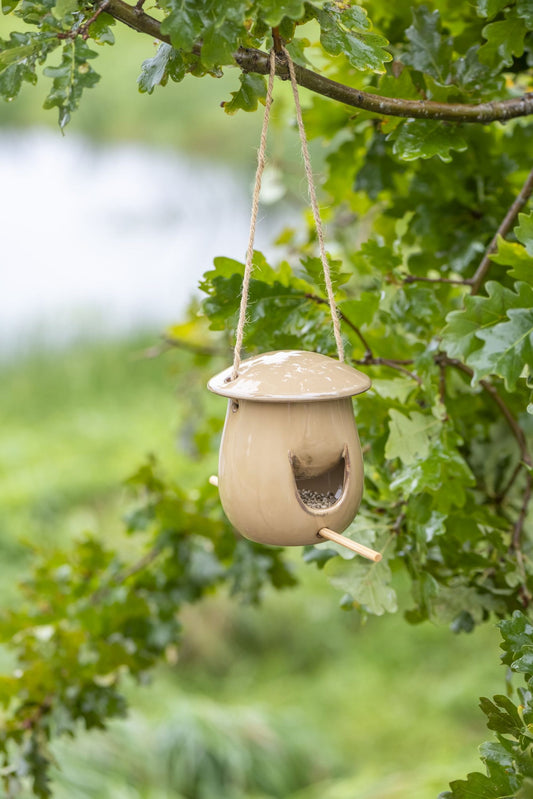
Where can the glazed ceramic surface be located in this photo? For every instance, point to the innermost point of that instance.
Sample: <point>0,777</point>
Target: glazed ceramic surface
<point>290,375</point>
<point>290,428</point>
<point>269,450</point>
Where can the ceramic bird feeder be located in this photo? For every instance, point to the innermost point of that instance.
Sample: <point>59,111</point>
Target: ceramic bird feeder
<point>290,465</point>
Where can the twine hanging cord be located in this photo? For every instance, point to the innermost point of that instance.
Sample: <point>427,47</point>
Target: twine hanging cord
<point>255,205</point>
<point>316,212</point>
<point>253,221</point>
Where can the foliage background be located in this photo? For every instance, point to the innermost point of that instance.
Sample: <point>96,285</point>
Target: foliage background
<point>444,498</point>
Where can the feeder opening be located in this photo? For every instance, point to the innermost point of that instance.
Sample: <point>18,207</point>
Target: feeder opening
<point>319,490</point>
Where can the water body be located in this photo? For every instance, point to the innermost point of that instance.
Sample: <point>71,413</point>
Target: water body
<point>107,239</point>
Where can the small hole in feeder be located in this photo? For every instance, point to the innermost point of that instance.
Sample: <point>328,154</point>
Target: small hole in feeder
<point>322,490</point>
<point>234,405</point>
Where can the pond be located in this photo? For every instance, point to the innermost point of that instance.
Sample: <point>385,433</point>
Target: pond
<point>106,239</point>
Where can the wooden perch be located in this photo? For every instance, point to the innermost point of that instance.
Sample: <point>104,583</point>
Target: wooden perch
<point>366,552</point>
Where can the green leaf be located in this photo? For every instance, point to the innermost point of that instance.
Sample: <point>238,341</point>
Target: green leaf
<point>525,662</point>
<point>460,336</point>
<point>15,55</point>
<point>477,786</point>
<point>524,9</point>
<point>502,715</point>
<point>70,78</point>
<point>524,232</point>
<point>218,45</point>
<point>313,271</point>
<point>512,254</point>
<point>507,346</point>
<point>296,50</point>
<point>526,789</point>
<point>251,92</point>
<point>18,56</point>
<point>444,474</point>
<point>155,71</point>
<point>8,689</point>
<point>12,78</point>
<point>489,8</point>
<point>345,30</point>
<point>429,50</point>
<point>517,632</point>
<point>410,436</point>
<point>100,30</point>
<point>281,316</point>
<point>505,39</point>
<point>9,5</point>
<point>397,389</point>
<point>361,311</point>
<point>184,24</point>
<point>470,74</point>
<point>65,7</point>
<point>369,585</point>
<point>319,555</point>
<point>273,11</point>
<point>425,138</point>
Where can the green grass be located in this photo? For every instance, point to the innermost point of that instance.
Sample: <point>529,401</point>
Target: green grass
<point>308,695</point>
<point>74,425</point>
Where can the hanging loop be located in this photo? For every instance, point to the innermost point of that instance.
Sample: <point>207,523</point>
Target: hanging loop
<point>261,158</point>
<point>253,221</point>
<point>316,212</point>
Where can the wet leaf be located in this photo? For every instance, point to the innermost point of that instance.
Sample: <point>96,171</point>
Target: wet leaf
<point>251,92</point>
<point>426,138</point>
<point>410,436</point>
<point>505,39</point>
<point>429,49</point>
<point>369,585</point>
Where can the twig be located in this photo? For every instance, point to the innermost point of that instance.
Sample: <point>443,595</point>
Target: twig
<point>519,525</point>
<point>454,281</point>
<point>526,462</point>
<point>506,225</point>
<point>252,60</point>
<point>442,389</point>
<point>277,41</point>
<point>500,496</point>
<point>396,527</point>
<point>41,710</point>
<point>83,30</point>
<point>197,349</point>
<point>369,358</point>
<point>348,322</point>
<point>390,363</point>
<point>516,430</point>
<point>125,574</point>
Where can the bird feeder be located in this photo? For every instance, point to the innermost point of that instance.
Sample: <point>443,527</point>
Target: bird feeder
<point>290,465</point>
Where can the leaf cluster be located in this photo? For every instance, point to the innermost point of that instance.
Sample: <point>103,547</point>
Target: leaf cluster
<point>509,759</point>
<point>89,620</point>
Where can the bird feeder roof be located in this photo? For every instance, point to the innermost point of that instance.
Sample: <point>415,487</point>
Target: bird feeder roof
<point>290,376</point>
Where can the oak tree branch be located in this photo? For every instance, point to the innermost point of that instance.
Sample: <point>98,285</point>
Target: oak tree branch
<point>505,226</point>
<point>526,460</point>
<point>252,60</point>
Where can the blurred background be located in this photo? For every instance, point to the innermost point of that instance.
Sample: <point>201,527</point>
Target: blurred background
<point>105,233</point>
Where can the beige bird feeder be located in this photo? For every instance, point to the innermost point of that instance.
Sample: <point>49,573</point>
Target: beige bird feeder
<point>290,465</point>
